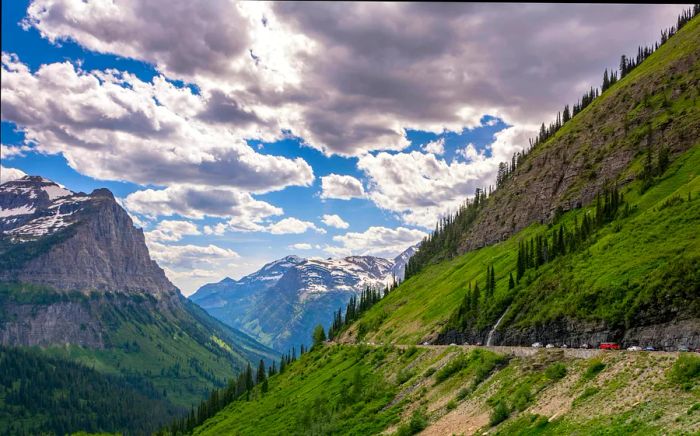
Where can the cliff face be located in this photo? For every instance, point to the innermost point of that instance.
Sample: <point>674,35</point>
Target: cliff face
<point>654,106</point>
<point>74,242</point>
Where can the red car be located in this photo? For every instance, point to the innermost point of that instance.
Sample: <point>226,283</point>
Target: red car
<point>609,346</point>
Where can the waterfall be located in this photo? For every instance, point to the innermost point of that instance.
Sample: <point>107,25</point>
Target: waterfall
<point>489,339</point>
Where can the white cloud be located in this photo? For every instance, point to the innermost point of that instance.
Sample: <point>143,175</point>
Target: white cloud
<point>301,246</point>
<point>335,221</point>
<point>243,211</point>
<point>341,187</point>
<point>376,241</point>
<point>8,174</point>
<point>189,256</point>
<point>217,229</point>
<point>172,231</point>
<point>111,125</point>
<point>436,147</point>
<point>293,226</point>
<point>11,151</point>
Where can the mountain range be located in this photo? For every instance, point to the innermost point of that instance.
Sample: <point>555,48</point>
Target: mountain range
<point>280,304</point>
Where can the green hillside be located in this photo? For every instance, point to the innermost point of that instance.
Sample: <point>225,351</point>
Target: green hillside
<point>647,262</point>
<point>178,348</point>
<point>360,390</point>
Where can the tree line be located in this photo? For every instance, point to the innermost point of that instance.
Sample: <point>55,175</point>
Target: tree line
<point>355,307</point>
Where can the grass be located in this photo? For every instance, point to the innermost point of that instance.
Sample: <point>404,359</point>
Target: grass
<point>352,390</point>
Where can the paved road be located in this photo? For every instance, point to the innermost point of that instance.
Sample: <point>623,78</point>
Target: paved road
<point>576,353</point>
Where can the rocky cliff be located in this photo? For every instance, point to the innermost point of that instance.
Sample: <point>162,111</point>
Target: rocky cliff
<point>73,241</point>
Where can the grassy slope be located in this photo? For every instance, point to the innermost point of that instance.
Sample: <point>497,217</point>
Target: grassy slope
<point>318,394</point>
<point>587,284</point>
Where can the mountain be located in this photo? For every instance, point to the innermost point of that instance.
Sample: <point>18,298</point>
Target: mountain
<point>281,303</point>
<point>76,279</point>
<point>593,237</point>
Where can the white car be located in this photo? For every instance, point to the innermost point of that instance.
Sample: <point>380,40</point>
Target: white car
<point>537,345</point>
<point>634,348</point>
<point>565,346</point>
<point>550,346</point>
<point>426,343</point>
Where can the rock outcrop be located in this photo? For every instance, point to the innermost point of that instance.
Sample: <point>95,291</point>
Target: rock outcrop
<point>73,242</point>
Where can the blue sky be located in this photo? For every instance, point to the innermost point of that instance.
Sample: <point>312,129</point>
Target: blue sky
<point>341,130</point>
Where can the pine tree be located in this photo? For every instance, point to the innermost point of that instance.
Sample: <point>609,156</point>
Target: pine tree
<point>511,283</point>
<point>319,335</point>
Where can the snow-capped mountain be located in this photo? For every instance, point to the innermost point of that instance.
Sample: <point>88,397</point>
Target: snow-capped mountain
<point>32,207</point>
<point>285,299</point>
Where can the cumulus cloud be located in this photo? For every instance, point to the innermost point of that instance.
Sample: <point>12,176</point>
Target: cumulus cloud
<point>350,77</point>
<point>341,187</point>
<point>243,211</point>
<point>9,174</point>
<point>293,226</point>
<point>335,221</point>
<point>436,147</point>
<point>172,230</point>
<point>11,151</point>
<point>376,241</point>
<point>111,125</point>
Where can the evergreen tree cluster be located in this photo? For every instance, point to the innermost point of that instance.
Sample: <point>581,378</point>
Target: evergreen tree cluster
<point>534,253</point>
<point>355,307</point>
<point>42,395</point>
<point>541,249</point>
<point>236,389</point>
<point>443,243</point>
<point>655,163</point>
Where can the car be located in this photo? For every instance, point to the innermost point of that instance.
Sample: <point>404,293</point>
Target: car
<point>426,343</point>
<point>551,346</point>
<point>634,348</point>
<point>609,346</point>
<point>565,346</point>
<point>649,348</point>
<point>452,343</point>
<point>537,345</point>
<point>683,349</point>
<point>585,346</point>
<point>479,344</point>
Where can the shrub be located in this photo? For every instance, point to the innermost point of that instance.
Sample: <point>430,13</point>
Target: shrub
<point>403,376</point>
<point>588,392</point>
<point>498,414</point>
<point>410,351</point>
<point>556,371</point>
<point>594,367</point>
<point>451,405</point>
<point>417,423</point>
<point>685,371</point>
<point>428,372</point>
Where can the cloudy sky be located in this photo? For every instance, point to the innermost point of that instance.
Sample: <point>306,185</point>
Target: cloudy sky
<point>237,133</point>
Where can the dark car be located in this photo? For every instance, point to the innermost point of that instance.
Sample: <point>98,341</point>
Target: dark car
<point>649,348</point>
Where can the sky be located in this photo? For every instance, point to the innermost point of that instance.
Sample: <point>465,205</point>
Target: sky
<point>237,133</point>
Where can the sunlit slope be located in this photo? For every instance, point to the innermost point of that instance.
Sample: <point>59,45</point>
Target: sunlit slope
<point>361,390</point>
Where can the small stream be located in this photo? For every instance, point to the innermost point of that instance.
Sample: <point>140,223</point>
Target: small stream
<point>489,339</point>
